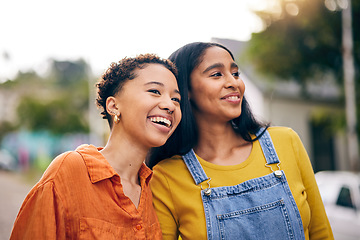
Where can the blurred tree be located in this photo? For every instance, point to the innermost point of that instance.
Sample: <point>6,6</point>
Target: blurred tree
<point>57,102</point>
<point>302,42</point>
<point>21,85</point>
<point>57,116</point>
<point>23,80</point>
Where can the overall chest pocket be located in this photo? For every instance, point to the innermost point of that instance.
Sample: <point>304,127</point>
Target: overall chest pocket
<point>268,221</point>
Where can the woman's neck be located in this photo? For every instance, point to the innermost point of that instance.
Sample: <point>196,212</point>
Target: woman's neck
<point>124,156</point>
<point>218,143</point>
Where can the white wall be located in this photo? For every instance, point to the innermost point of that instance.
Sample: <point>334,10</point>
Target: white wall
<point>254,97</point>
<point>293,114</point>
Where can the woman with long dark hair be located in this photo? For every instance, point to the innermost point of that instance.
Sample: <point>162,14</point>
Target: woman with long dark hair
<point>226,175</point>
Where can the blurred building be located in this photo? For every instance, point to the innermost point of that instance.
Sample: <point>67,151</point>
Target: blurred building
<point>304,109</point>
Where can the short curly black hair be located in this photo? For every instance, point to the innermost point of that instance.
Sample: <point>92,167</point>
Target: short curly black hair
<point>114,78</point>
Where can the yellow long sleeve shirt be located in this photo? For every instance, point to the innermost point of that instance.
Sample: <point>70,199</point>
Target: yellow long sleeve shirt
<point>178,203</point>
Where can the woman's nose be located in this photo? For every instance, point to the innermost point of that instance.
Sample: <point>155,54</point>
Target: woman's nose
<point>167,104</point>
<point>232,82</point>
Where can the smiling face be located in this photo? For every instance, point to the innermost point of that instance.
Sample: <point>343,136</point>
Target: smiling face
<point>216,88</point>
<point>148,105</point>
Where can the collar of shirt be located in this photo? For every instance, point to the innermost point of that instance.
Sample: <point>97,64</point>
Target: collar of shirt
<point>99,168</point>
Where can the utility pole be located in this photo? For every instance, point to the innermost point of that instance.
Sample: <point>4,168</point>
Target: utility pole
<point>349,82</point>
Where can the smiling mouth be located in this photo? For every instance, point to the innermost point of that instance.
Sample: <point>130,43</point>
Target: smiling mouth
<point>161,121</point>
<point>233,98</point>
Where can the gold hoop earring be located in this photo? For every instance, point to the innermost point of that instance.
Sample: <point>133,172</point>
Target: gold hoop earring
<point>116,118</point>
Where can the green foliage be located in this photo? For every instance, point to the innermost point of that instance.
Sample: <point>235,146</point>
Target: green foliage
<point>299,47</point>
<point>332,121</point>
<point>57,116</point>
<point>57,102</point>
<point>305,46</point>
<point>21,80</point>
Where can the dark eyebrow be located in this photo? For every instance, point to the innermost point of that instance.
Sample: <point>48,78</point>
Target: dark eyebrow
<point>216,65</point>
<point>234,65</point>
<point>219,65</point>
<point>160,84</point>
<point>153,82</point>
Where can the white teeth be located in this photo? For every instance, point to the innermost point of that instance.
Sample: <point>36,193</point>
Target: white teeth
<point>233,98</point>
<point>166,121</point>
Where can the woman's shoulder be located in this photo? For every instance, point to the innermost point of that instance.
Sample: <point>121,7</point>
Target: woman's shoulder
<point>278,131</point>
<point>175,162</point>
<point>62,163</point>
<point>285,136</point>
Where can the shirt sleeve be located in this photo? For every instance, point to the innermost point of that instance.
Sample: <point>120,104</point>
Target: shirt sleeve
<point>41,216</point>
<point>319,227</point>
<point>164,205</point>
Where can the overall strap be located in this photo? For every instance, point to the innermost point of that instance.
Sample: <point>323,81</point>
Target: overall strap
<point>193,164</point>
<point>267,147</point>
<point>198,173</point>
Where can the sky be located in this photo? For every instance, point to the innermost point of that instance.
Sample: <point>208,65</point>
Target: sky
<point>101,32</point>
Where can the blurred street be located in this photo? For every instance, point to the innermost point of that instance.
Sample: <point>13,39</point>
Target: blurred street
<point>14,189</point>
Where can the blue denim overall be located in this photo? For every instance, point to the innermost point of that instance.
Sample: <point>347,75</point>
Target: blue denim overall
<point>260,208</point>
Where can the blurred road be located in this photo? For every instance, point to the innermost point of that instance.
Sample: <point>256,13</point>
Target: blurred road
<point>13,190</point>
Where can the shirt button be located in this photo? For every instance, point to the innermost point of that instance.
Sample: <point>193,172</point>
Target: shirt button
<point>138,227</point>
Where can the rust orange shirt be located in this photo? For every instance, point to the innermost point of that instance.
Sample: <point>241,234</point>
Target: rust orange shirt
<point>80,196</point>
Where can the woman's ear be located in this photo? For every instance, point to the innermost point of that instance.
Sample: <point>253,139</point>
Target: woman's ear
<point>112,106</point>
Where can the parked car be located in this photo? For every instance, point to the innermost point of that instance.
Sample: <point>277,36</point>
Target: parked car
<point>340,192</point>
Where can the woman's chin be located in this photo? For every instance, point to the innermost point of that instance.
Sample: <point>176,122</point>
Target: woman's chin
<point>158,143</point>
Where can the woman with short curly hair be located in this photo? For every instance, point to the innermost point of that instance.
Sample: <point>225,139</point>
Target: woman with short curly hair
<point>103,193</point>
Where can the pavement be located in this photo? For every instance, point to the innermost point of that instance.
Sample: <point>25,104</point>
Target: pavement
<point>13,189</point>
